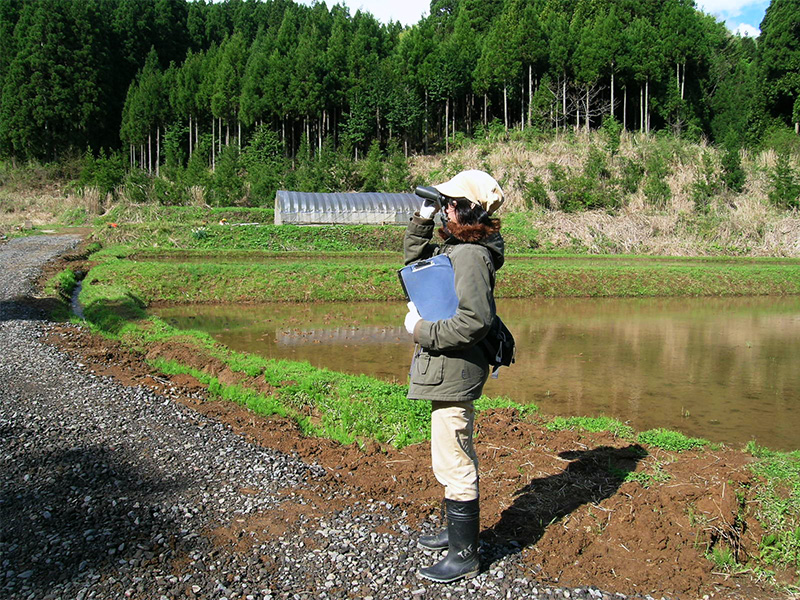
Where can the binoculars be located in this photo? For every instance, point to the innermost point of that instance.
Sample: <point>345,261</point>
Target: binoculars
<point>431,193</point>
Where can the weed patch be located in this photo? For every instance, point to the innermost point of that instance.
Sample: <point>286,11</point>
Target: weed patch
<point>778,507</point>
<point>673,441</point>
<point>595,424</point>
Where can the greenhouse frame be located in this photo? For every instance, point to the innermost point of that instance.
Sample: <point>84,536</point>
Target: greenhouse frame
<point>351,208</point>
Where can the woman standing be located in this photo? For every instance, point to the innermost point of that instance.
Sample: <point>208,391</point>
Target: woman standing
<point>450,367</point>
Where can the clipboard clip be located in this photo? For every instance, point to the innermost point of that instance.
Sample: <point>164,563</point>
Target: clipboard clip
<point>423,264</point>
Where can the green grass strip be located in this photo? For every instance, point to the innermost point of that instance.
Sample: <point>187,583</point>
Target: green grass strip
<point>334,277</point>
<point>592,424</point>
<point>585,278</point>
<point>673,441</point>
<point>274,238</point>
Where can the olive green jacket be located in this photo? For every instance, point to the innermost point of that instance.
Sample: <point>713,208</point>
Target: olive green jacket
<point>449,365</point>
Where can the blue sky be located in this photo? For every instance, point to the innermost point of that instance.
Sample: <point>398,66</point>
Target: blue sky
<point>742,16</point>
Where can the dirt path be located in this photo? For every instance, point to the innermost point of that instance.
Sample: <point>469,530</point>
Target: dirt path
<point>556,514</point>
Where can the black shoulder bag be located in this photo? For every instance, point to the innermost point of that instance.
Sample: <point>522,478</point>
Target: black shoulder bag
<point>499,346</point>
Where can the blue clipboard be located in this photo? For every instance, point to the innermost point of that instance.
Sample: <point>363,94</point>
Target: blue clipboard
<point>430,285</point>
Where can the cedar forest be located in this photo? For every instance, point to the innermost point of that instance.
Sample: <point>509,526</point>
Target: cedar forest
<point>172,82</point>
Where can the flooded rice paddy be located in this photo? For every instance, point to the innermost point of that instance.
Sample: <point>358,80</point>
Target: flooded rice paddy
<point>725,369</point>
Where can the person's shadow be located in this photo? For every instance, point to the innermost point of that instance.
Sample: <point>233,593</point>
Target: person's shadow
<point>590,476</point>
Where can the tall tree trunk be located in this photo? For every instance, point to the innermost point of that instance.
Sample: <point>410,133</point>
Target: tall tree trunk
<point>587,109</point>
<point>683,79</point>
<point>647,105</point>
<point>564,100</point>
<point>158,150</point>
<point>150,153</point>
<point>612,89</point>
<point>239,132</point>
<point>190,136</point>
<point>213,145</point>
<point>505,105</point>
<point>530,93</point>
<point>485,109</point>
<point>425,132</point>
<point>446,125</point>
<point>470,104</point>
<point>453,123</point>
<point>641,107</point>
<point>522,104</point>
<point>625,110</point>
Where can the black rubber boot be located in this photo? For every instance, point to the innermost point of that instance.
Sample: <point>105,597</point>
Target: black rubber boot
<point>438,541</point>
<point>434,542</point>
<point>462,560</point>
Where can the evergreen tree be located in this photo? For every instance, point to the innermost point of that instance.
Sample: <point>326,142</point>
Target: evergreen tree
<point>374,169</point>
<point>589,60</point>
<point>397,174</point>
<point>645,62</point>
<point>784,184</point>
<point>253,101</point>
<point>225,101</point>
<point>52,98</point>
<point>780,59</point>
<point>556,28</point>
<point>500,63</point>
<point>264,163</point>
<point>734,102</point>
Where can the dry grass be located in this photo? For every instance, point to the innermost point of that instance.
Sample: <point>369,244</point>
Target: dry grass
<point>20,211</point>
<point>742,223</point>
<point>48,206</point>
<point>198,195</point>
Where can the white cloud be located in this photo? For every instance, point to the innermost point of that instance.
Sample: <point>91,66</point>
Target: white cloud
<point>746,30</point>
<point>723,8</point>
<point>408,12</point>
<point>739,16</point>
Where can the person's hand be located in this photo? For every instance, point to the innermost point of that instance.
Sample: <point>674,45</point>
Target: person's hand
<point>428,209</point>
<point>412,318</point>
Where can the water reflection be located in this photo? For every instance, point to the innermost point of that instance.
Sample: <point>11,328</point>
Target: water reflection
<point>722,369</point>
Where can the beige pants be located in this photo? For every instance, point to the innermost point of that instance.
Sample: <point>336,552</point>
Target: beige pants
<point>453,457</point>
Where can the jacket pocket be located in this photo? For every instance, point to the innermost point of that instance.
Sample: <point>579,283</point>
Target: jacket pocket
<point>428,370</point>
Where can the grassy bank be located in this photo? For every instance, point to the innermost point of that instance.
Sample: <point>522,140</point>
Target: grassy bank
<point>198,277</point>
<point>533,233</point>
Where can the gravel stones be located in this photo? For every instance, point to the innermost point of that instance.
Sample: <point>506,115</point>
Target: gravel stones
<point>109,491</point>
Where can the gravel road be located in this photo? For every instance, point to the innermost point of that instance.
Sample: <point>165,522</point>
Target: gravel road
<point>108,491</point>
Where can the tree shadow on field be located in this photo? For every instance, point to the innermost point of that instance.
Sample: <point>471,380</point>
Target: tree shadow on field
<point>591,476</point>
<point>70,513</point>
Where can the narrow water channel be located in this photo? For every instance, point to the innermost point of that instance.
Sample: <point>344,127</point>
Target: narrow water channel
<point>725,369</point>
